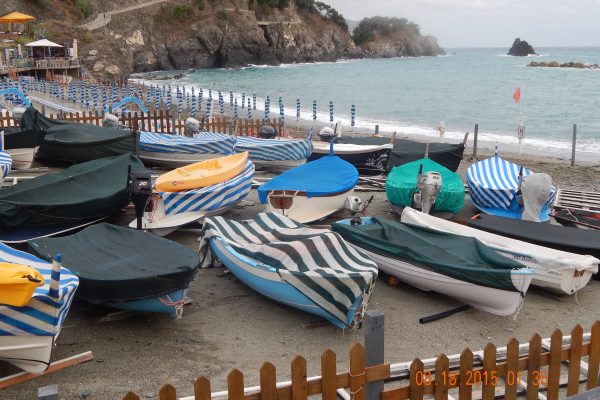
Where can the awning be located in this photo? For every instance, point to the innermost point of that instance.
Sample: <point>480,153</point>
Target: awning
<point>43,43</point>
<point>15,17</point>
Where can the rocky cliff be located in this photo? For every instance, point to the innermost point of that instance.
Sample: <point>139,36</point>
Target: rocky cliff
<point>521,48</point>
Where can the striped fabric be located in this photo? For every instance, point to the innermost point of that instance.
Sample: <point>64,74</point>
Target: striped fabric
<point>5,164</point>
<point>493,183</point>
<point>207,143</point>
<point>274,149</point>
<point>211,197</point>
<point>317,262</point>
<point>44,315</point>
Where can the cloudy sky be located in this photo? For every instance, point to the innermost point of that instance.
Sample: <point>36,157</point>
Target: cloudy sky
<point>490,23</point>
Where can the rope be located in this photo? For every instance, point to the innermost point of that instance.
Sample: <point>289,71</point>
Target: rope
<point>177,304</point>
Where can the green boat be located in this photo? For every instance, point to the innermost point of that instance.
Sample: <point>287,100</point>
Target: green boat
<point>401,186</point>
<point>60,202</point>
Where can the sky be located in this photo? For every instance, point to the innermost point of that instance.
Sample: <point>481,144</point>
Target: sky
<point>490,23</point>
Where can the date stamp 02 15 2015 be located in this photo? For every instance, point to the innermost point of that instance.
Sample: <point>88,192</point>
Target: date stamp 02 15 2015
<point>479,378</point>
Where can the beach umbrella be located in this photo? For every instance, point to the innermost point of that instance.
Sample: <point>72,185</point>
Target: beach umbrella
<point>200,99</point>
<point>254,102</point>
<point>179,106</point>
<point>208,105</point>
<point>331,112</point>
<point>235,109</point>
<point>281,113</point>
<point>169,102</point>
<point>243,99</point>
<point>314,110</point>
<point>231,99</point>
<point>221,104</point>
<point>249,109</point>
<point>267,108</point>
<point>193,112</point>
<point>352,116</point>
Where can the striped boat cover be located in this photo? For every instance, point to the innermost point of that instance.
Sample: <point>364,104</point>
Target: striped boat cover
<point>493,183</point>
<point>44,315</point>
<point>317,262</point>
<point>274,149</point>
<point>208,143</point>
<point>211,197</point>
<point>5,164</point>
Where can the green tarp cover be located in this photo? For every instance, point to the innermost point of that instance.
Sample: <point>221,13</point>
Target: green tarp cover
<point>82,192</point>
<point>460,257</point>
<point>33,120</point>
<point>401,184</point>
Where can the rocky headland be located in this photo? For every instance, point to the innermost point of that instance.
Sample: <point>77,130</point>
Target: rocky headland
<point>521,48</point>
<point>556,64</point>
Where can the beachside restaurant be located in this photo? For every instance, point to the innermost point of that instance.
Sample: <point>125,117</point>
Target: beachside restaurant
<point>12,25</point>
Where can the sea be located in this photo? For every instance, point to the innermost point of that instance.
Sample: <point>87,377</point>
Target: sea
<point>413,96</point>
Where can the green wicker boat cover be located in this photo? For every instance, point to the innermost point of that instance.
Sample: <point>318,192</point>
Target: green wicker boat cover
<point>401,185</point>
<point>460,257</point>
<point>83,192</point>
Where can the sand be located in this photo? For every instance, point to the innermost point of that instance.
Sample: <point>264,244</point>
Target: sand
<point>230,326</point>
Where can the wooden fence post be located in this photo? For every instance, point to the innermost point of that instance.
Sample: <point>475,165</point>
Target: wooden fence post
<point>328,376</point>
<point>373,326</point>
<point>357,372</point>
<point>235,385</point>
<point>167,392</point>
<point>268,382</point>
<point>299,376</point>
<point>202,389</point>
<point>441,378</point>
<point>417,380</point>
<point>533,367</point>
<point>594,360</point>
<point>575,360</point>
<point>512,375</point>
<point>465,391</point>
<point>489,375</point>
<point>131,396</point>
<point>554,365</point>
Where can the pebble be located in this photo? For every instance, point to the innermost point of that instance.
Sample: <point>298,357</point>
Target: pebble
<point>149,395</point>
<point>85,394</point>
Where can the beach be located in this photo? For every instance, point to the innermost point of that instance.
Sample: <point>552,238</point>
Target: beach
<point>230,326</point>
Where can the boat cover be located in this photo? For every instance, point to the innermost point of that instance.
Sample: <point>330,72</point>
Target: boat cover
<point>274,149</point>
<point>317,262</point>
<point>212,197</point>
<point>5,164</point>
<point>322,177</point>
<point>33,120</point>
<point>44,315</point>
<point>205,143</point>
<point>401,185</point>
<point>574,240</point>
<point>576,217</point>
<point>494,182</point>
<point>83,192</point>
<point>14,138</point>
<point>460,257</point>
<point>117,264</point>
<point>447,154</point>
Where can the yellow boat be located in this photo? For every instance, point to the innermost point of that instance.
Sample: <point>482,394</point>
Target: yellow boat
<point>203,173</point>
<point>17,283</point>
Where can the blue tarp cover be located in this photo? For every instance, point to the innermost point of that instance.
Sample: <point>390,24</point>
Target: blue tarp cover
<point>327,175</point>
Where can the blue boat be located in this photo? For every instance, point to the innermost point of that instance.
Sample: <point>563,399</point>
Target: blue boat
<point>276,153</point>
<point>125,268</point>
<point>494,186</point>
<point>313,270</point>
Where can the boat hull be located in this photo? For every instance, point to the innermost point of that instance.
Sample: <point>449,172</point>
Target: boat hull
<point>22,158</point>
<point>30,353</point>
<point>368,159</point>
<point>309,209</point>
<point>173,159</point>
<point>155,304</point>
<point>278,165</point>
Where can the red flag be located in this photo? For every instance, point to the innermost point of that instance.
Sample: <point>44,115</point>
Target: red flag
<point>517,95</point>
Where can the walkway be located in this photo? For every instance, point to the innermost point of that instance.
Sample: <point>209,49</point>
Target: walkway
<point>102,19</point>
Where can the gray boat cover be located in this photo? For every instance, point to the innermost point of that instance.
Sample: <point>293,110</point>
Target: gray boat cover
<point>317,262</point>
<point>536,189</point>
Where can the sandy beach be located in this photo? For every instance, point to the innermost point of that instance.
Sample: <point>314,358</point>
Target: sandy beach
<point>230,326</point>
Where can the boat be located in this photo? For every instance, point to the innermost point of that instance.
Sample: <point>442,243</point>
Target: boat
<point>59,202</point>
<point>311,191</point>
<point>457,266</point>
<point>313,270</point>
<point>28,334</point>
<point>369,159</point>
<point>125,268</point>
<point>560,271</point>
<point>577,218</point>
<point>270,153</point>
<point>168,211</point>
<point>22,146</point>
<point>175,150</point>
<point>401,186</point>
<point>5,164</point>
<point>201,174</point>
<point>495,186</point>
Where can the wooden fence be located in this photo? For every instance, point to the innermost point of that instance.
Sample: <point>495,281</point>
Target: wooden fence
<point>159,121</point>
<point>542,365</point>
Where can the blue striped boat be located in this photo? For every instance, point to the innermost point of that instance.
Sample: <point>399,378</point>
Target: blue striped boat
<point>493,184</point>
<point>27,333</point>
<point>176,150</point>
<point>5,164</point>
<point>275,152</point>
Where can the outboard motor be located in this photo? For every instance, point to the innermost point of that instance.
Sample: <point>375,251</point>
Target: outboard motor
<point>267,132</point>
<point>535,191</point>
<point>429,185</point>
<point>191,126</point>
<point>139,186</point>
<point>110,121</point>
<point>326,134</point>
<point>357,208</point>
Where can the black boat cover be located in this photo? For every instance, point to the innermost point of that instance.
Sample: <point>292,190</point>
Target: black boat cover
<point>15,138</point>
<point>80,193</point>
<point>405,151</point>
<point>460,257</point>
<point>575,217</point>
<point>116,264</point>
<point>565,238</point>
<point>33,120</point>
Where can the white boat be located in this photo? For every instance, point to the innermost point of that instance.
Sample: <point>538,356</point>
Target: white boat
<point>22,158</point>
<point>368,159</point>
<point>456,266</point>
<point>554,270</point>
<point>27,334</point>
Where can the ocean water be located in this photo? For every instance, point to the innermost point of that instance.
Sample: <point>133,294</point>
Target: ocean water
<point>412,95</point>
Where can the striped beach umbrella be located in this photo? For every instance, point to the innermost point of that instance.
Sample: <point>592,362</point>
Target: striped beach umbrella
<point>179,106</point>
<point>281,112</point>
<point>200,99</point>
<point>297,108</point>
<point>208,105</point>
<point>243,99</point>
<point>169,102</point>
<point>267,108</point>
<point>331,112</point>
<point>235,109</point>
<point>254,102</point>
<point>353,116</point>
<point>249,109</point>
<point>221,104</point>
<point>231,99</point>
<point>193,111</point>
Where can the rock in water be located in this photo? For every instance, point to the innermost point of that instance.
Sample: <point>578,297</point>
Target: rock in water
<point>521,48</point>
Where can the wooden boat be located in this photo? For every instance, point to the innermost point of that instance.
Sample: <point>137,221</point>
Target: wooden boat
<point>275,153</point>
<point>577,218</point>
<point>176,150</point>
<point>559,271</point>
<point>168,211</point>
<point>311,191</point>
<point>494,186</point>
<point>312,270</point>
<point>369,159</point>
<point>59,202</point>
<point>457,266</point>
<point>140,272</point>
<point>28,333</point>
<point>401,185</point>
<point>22,145</point>
<point>202,174</point>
